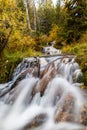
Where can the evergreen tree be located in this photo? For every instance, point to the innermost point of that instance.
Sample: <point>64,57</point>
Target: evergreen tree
<point>60,13</point>
<point>46,16</point>
<point>76,20</point>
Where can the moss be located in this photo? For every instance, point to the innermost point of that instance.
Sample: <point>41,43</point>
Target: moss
<point>9,62</point>
<point>7,68</point>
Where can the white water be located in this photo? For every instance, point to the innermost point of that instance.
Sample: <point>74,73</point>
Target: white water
<point>20,109</point>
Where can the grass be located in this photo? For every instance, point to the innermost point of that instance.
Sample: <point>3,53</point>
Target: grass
<point>9,62</point>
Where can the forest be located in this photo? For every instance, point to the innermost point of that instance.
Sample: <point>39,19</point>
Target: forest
<point>26,26</point>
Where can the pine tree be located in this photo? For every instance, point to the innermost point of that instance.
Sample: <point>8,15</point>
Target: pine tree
<point>46,16</point>
<point>76,20</point>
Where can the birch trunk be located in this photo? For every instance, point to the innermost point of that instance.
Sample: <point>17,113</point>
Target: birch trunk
<point>35,16</point>
<point>27,14</point>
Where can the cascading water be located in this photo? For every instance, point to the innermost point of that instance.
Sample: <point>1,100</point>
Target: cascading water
<point>42,95</point>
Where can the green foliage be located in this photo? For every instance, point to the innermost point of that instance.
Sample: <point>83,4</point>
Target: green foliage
<point>10,60</point>
<point>60,14</point>
<point>80,51</point>
<point>7,66</point>
<point>46,17</point>
<point>41,41</point>
<point>76,21</point>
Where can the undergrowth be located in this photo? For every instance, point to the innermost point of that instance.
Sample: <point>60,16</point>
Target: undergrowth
<point>80,51</point>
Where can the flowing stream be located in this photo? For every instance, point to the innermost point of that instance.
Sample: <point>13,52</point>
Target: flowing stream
<point>44,94</point>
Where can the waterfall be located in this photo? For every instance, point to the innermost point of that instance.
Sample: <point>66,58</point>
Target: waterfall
<point>44,94</point>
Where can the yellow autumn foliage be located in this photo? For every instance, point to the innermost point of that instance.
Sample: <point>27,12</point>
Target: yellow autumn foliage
<point>53,34</point>
<point>43,39</point>
<point>27,42</point>
<point>18,42</point>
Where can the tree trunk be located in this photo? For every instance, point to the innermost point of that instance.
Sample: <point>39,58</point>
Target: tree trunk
<point>27,15</point>
<point>35,16</point>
